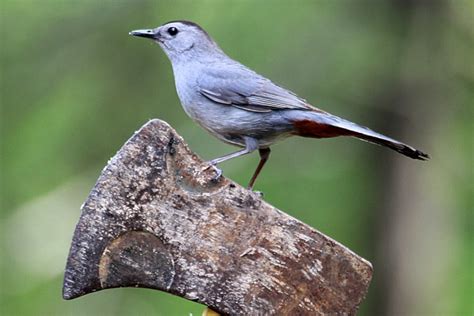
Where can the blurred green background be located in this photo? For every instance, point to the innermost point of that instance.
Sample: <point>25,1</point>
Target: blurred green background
<point>75,86</point>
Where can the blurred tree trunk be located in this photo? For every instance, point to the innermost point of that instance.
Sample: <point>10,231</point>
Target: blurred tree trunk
<point>409,220</point>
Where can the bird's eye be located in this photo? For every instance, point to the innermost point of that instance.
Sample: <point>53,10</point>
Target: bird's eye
<point>172,31</point>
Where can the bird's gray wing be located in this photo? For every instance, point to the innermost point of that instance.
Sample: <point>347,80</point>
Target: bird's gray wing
<point>238,86</point>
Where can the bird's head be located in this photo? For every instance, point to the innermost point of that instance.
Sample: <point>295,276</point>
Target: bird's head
<point>180,39</point>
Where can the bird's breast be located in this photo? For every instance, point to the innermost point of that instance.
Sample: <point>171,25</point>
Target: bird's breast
<point>227,122</point>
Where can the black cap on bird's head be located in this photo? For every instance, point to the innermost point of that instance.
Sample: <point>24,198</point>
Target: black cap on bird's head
<point>179,37</point>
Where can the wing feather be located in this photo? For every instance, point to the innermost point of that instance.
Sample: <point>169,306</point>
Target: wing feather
<point>238,86</point>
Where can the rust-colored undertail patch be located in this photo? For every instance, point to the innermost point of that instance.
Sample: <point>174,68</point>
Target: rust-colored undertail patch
<point>308,128</point>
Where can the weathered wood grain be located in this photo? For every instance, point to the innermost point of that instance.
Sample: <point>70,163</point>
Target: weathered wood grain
<point>157,218</point>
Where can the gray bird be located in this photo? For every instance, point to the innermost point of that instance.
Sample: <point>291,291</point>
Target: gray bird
<point>241,107</point>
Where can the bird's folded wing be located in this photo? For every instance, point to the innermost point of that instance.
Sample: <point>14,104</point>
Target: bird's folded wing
<point>240,87</point>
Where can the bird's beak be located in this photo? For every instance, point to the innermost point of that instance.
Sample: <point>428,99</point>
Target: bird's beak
<point>150,33</point>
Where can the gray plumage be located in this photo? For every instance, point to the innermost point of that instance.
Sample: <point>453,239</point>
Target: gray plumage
<point>241,107</point>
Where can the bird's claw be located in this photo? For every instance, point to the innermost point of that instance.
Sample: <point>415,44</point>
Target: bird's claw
<point>218,172</point>
<point>259,193</point>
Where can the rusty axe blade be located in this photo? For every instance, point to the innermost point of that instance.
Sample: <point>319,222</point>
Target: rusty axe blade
<point>158,218</point>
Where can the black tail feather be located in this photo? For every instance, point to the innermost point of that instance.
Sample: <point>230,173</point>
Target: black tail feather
<point>395,145</point>
<point>323,125</point>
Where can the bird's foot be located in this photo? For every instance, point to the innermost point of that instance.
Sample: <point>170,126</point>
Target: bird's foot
<point>259,193</point>
<point>218,172</point>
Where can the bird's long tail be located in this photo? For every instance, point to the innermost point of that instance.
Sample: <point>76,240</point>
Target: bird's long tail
<point>323,125</point>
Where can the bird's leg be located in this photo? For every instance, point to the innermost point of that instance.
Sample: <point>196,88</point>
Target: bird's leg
<point>264,154</point>
<point>251,144</point>
<point>230,156</point>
